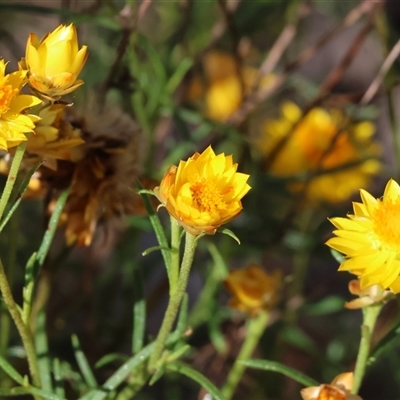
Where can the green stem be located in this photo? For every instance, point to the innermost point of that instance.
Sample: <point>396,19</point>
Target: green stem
<point>12,176</point>
<point>370,315</point>
<point>23,330</point>
<point>175,300</point>
<point>255,329</point>
<point>175,241</point>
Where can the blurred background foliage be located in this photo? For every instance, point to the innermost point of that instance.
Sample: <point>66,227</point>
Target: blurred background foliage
<point>191,73</point>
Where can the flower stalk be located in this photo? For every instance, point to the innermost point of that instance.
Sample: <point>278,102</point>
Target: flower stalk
<point>370,315</point>
<point>256,328</point>
<point>23,330</point>
<point>175,300</point>
<point>12,176</point>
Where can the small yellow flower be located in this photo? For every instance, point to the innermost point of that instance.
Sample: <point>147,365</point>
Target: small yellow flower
<point>54,62</point>
<point>224,85</point>
<point>252,289</point>
<point>54,136</point>
<point>203,192</point>
<point>13,121</point>
<point>370,239</point>
<point>339,389</point>
<point>324,142</point>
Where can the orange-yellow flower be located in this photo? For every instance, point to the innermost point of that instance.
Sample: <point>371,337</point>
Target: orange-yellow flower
<point>13,121</point>
<point>203,192</point>
<point>370,239</point>
<point>367,296</point>
<point>54,62</point>
<point>252,289</point>
<point>339,389</point>
<point>323,142</point>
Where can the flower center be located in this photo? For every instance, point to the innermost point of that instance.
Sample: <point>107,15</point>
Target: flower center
<point>330,393</point>
<point>386,220</point>
<point>206,196</point>
<point>7,93</point>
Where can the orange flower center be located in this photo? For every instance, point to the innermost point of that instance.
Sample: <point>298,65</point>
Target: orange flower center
<point>330,393</point>
<point>205,196</point>
<point>386,220</point>
<point>7,93</point>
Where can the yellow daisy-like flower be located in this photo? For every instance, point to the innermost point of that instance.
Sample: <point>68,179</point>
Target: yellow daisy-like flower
<point>13,121</point>
<point>203,192</point>
<point>339,389</point>
<point>54,62</point>
<point>252,289</point>
<point>325,142</point>
<point>370,239</point>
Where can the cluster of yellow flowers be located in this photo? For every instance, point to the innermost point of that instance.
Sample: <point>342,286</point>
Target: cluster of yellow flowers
<point>334,155</point>
<point>50,68</point>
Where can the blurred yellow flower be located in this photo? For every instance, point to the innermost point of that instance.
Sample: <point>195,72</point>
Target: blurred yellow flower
<point>54,62</point>
<point>339,389</point>
<point>324,142</point>
<point>370,239</point>
<point>203,192</point>
<point>224,85</point>
<point>54,136</point>
<point>252,289</point>
<point>13,121</point>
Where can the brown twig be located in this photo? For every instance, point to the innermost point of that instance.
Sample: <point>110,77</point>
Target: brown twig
<point>376,83</point>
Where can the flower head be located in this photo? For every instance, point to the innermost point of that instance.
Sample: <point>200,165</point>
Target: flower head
<point>339,389</point>
<point>224,85</point>
<point>203,192</point>
<point>252,289</point>
<point>54,62</point>
<point>370,239</point>
<point>54,136</point>
<point>13,121</point>
<point>337,152</point>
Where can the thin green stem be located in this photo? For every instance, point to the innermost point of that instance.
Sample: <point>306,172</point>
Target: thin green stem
<point>255,329</point>
<point>175,300</point>
<point>23,330</point>
<point>370,315</point>
<point>175,241</point>
<point>394,124</point>
<point>12,176</point>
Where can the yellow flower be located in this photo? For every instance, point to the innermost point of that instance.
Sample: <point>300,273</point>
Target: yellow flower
<point>225,85</point>
<point>203,192</point>
<point>13,121</point>
<point>252,289</point>
<point>339,389</point>
<point>54,136</point>
<point>371,239</point>
<point>324,142</point>
<point>54,62</point>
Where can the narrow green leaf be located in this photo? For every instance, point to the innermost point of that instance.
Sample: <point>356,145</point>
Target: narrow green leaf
<point>145,191</point>
<point>139,313</point>
<point>109,358</point>
<point>135,362</point>
<point>27,291</point>
<point>327,305</point>
<point>11,371</point>
<point>159,231</point>
<point>19,391</point>
<point>21,190</point>
<point>42,349</point>
<point>51,229</point>
<point>178,75</point>
<point>155,248</point>
<point>83,364</point>
<point>58,381</point>
<point>196,376</point>
<point>339,257</point>
<point>267,365</point>
<point>228,232</point>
